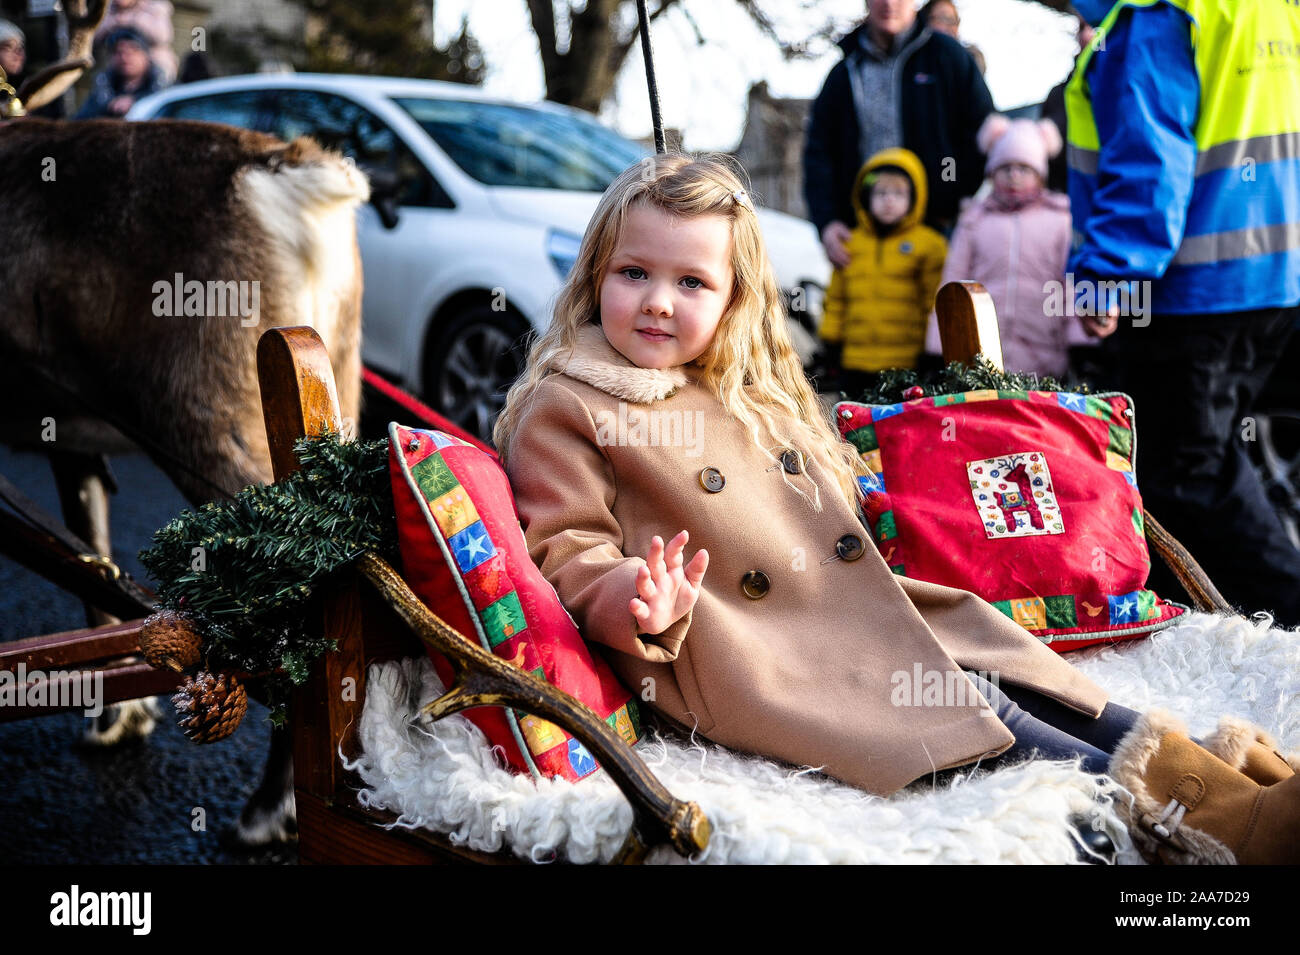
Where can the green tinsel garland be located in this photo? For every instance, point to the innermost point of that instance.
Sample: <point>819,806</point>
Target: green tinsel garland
<point>245,569</point>
<point>980,375</point>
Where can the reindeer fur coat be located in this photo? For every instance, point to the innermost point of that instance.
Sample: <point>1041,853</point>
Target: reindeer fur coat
<point>786,653</point>
<point>101,215</point>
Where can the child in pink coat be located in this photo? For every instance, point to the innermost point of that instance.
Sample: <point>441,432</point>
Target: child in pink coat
<point>1015,242</point>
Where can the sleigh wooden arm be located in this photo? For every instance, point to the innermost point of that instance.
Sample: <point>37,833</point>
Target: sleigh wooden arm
<point>483,679</point>
<point>377,623</point>
<point>968,325</point>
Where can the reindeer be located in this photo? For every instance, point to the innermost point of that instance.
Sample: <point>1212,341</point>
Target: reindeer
<point>139,264</point>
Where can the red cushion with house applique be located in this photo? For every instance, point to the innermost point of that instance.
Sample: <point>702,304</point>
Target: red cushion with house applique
<point>464,555</point>
<point>1026,498</point>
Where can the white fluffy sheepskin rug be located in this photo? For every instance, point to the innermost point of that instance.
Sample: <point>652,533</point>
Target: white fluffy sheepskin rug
<point>442,776</point>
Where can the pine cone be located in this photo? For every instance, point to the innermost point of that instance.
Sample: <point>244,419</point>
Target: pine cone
<point>210,707</point>
<point>169,641</point>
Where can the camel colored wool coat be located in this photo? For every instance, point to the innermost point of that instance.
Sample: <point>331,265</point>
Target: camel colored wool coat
<point>786,654</point>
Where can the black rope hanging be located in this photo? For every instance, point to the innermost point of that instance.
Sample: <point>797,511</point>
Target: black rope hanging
<point>661,146</point>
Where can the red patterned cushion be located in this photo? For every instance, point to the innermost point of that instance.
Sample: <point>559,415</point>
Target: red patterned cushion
<point>464,555</point>
<point>1026,498</point>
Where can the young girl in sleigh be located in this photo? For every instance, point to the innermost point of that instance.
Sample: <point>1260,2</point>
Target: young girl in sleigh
<point>782,632</point>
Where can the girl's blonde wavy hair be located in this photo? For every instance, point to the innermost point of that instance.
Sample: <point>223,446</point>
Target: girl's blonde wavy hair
<point>751,365</point>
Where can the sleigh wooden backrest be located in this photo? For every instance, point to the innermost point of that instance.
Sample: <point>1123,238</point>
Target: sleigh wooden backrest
<point>299,399</point>
<point>968,325</point>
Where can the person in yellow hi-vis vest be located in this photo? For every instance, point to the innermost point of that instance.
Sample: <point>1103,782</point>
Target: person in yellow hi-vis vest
<point>1184,154</point>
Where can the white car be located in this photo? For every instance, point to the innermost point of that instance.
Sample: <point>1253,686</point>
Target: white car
<point>478,208</point>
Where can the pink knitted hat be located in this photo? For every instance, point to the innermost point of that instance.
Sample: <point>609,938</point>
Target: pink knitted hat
<point>1018,140</point>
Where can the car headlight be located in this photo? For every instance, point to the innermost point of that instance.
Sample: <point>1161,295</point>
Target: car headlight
<point>562,249</point>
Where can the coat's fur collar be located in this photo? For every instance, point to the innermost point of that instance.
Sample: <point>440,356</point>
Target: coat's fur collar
<point>595,361</point>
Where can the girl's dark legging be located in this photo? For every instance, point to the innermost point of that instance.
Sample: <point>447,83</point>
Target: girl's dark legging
<point>1046,729</point>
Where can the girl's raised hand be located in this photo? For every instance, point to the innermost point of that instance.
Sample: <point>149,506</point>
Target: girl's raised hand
<point>665,589</point>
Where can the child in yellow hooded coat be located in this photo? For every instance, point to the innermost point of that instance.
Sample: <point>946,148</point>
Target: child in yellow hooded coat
<point>877,306</point>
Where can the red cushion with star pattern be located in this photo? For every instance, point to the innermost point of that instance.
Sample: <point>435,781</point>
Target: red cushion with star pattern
<point>1025,498</point>
<point>464,555</point>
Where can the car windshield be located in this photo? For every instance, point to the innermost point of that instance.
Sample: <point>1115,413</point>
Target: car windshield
<point>503,145</point>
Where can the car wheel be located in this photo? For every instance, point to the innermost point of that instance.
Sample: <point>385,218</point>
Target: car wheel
<point>807,308</point>
<point>476,359</point>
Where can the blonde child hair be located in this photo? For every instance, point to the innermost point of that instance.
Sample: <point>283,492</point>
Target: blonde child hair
<point>751,365</point>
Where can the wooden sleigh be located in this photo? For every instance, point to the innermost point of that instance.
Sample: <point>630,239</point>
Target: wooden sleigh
<point>374,617</point>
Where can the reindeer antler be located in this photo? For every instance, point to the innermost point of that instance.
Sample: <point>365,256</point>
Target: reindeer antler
<point>10,106</point>
<point>84,16</point>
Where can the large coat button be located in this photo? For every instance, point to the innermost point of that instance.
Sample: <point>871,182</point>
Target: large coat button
<point>791,461</point>
<point>850,547</point>
<point>755,584</point>
<point>712,480</point>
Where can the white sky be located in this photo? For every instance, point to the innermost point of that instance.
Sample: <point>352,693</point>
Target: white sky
<point>702,89</point>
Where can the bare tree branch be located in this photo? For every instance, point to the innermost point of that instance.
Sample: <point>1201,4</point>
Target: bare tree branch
<point>624,44</point>
<point>809,44</point>
<point>695,27</point>
<point>602,36</point>
<point>599,43</point>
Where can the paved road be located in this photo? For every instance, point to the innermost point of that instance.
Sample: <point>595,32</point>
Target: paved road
<point>66,803</point>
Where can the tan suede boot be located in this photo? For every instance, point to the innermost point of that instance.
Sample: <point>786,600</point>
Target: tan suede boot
<point>1251,751</point>
<point>1190,807</point>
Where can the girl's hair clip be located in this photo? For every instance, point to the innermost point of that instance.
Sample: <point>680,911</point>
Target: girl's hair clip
<point>742,197</point>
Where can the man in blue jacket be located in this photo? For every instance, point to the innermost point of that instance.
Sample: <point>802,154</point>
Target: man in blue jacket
<point>1184,153</point>
<point>899,84</point>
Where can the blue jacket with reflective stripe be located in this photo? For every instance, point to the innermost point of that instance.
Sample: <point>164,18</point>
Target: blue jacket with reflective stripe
<point>1131,218</point>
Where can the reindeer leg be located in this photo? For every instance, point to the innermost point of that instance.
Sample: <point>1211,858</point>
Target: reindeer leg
<point>84,483</point>
<point>270,814</point>
<point>223,458</point>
